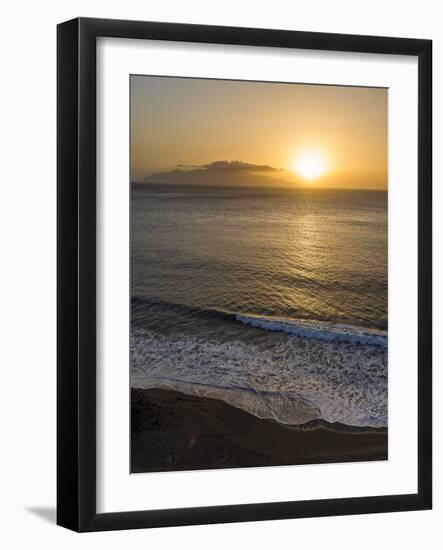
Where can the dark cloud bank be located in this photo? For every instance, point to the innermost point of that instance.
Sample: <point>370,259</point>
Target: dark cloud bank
<point>224,173</point>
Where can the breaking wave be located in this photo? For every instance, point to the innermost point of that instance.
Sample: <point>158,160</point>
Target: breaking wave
<point>318,330</point>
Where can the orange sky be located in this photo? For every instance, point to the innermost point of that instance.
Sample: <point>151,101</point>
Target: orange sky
<point>180,127</point>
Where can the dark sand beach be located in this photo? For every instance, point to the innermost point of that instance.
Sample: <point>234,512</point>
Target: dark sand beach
<point>172,431</point>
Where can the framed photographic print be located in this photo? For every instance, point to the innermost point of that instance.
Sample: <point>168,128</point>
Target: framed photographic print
<point>244,274</point>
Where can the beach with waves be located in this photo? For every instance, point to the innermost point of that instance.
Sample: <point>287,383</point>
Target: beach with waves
<point>258,326</point>
<point>173,431</point>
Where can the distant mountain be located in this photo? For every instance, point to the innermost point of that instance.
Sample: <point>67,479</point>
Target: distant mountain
<point>225,173</point>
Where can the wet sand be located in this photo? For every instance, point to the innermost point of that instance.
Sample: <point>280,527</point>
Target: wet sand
<point>172,431</point>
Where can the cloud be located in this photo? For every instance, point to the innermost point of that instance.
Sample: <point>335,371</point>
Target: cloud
<point>224,173</point>
<point>236,165</point>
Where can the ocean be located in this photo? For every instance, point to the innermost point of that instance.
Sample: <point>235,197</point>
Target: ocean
<point>272,300</point>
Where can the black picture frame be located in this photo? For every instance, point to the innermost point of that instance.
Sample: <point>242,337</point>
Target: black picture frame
<point>76,265</point>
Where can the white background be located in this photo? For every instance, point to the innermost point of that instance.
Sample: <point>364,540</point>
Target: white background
<point>27,300</point>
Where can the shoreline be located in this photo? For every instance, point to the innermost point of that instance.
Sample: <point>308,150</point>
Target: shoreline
<point>172,431</point>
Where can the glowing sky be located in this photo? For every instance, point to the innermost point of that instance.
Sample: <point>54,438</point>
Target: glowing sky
<point>324,136</point>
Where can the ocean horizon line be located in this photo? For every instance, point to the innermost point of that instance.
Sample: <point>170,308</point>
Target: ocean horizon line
<point>258,187</point>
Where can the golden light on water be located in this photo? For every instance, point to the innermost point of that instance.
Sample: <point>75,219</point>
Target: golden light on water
<point>310,164</point>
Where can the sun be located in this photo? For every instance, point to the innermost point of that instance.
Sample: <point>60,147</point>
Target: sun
<point>310,164</point>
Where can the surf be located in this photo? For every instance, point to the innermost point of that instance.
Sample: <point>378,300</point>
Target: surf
<point>317,330</point>
<point>289,379</point>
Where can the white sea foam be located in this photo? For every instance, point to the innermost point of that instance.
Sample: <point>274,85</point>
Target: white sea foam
<point>290,379</point>
<point>279,406</point>
<point>318,330</point>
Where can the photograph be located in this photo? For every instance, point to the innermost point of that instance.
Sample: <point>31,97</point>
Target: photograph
<point>258,273</point>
